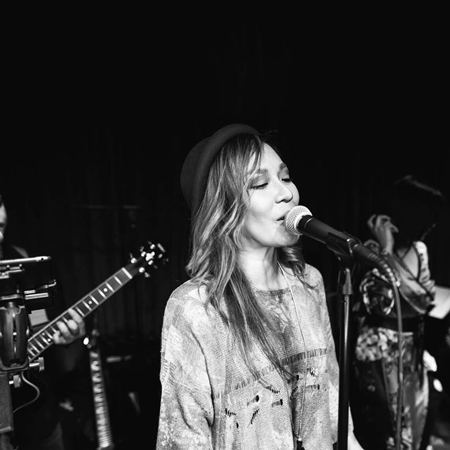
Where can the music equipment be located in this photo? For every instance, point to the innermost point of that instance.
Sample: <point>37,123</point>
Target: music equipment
<point>101,410</point>
<point>150,256</point>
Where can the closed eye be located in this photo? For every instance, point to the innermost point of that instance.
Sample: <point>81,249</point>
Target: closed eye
<point>259,186</point>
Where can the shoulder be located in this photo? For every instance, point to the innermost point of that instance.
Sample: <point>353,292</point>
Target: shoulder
<point>311,283</point>
<point>312,275</point>
<point>421,247</point>
<point>422,251</point>
<point>309,289</point>
<point>187,303</point>
<point>189,291</point>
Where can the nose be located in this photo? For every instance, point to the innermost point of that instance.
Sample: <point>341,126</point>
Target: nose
<point>284,193</point>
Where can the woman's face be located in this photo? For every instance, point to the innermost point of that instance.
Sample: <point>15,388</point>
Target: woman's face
<point>272,195</point>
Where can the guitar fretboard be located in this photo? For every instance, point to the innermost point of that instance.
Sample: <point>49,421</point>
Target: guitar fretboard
<point>104,434</point>
<point>44,337</point>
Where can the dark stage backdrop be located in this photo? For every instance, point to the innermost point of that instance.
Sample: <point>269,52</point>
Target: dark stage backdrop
<point>97,137</point>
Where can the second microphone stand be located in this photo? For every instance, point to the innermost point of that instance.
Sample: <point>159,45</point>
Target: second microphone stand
<point>345,291</point>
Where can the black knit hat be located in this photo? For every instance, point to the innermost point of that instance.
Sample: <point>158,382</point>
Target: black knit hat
<point>194,173</point>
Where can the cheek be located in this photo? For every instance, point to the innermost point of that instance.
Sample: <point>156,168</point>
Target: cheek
<point>255,223</point>
<point>295,195</point>
<point>250,224</point>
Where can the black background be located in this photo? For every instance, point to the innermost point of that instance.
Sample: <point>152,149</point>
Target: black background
<point>102,106</point>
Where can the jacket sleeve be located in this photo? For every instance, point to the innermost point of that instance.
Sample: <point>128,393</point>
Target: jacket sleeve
<point>186,408</point>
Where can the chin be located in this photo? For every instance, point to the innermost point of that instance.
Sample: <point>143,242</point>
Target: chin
<point>290,239</point>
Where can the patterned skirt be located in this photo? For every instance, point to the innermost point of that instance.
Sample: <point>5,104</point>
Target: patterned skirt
<point>374,389</point>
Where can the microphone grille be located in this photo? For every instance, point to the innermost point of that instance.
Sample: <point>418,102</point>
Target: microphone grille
<point>293,218</point>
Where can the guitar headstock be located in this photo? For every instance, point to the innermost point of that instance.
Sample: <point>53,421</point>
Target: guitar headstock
<point>150,255</point>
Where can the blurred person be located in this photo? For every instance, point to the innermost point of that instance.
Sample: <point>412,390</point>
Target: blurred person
<point>407,212</point>
<point>37,426</point>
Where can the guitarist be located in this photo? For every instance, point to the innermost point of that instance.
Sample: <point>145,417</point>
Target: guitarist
<point>37,425</point>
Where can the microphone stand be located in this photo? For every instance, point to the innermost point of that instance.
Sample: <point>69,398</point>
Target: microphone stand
<point>345,290</point>
<point>347,248</point>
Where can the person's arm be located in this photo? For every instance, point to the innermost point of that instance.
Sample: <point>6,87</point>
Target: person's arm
<point>186,408</point>
<point>383,231</point>
<point>428,283</point>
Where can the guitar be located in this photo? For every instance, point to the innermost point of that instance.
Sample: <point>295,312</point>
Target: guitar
<point>43,339</point>
<point>150,256</point>
<point>102,420</point>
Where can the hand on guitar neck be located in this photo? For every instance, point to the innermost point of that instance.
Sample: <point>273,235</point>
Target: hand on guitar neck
<point>70,326</point>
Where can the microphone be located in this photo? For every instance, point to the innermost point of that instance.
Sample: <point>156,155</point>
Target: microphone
<point>299,220</point>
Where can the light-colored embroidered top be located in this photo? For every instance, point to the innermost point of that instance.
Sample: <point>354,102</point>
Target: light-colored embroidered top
<point>210,400</point>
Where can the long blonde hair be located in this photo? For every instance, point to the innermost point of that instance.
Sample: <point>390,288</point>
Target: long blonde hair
<point>215,241</point>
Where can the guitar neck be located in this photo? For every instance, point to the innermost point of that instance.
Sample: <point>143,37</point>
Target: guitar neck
<point>43,339</point>
<point>104,434</point>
